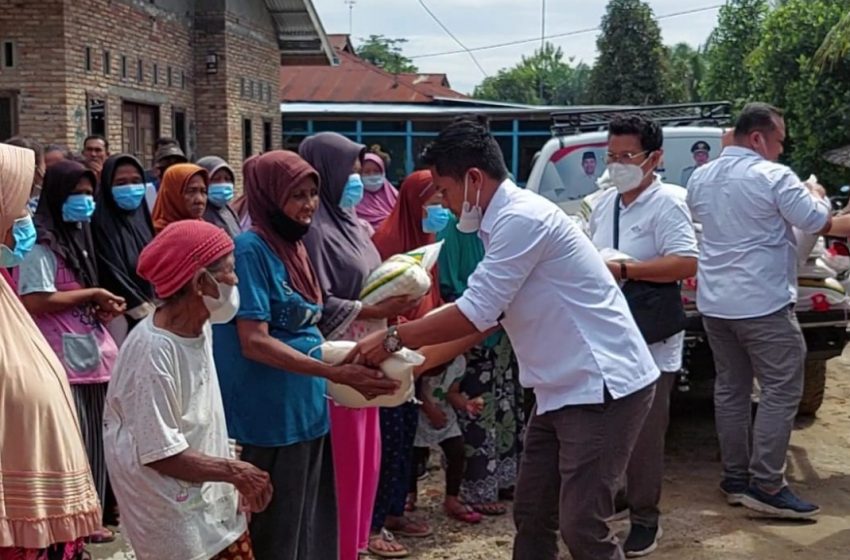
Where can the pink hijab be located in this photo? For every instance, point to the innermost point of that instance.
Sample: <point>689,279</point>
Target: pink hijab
<point>376,206</point>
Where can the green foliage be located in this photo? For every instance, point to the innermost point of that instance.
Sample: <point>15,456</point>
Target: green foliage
<point>737,34</point>
<point>386,53</point>
<point>630,67</point>
<point>685,67</point>
<point>544,78</point>
<point>836,46</point>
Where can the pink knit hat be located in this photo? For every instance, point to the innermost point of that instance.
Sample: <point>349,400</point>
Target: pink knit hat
<point>179,251</point>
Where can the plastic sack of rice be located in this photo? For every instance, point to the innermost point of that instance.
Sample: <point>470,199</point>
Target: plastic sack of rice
<point>807,243</point>
<point>398,366</point>
<point>406,274</point>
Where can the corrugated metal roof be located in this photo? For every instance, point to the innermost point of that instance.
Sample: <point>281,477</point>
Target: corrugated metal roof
<point>411,109</point>
<point>299,29</point>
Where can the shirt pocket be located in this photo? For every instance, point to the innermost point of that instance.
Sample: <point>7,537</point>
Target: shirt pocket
<point>81,352</point>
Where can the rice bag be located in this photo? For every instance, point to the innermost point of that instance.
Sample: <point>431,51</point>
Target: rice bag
<point>398,366</point>
<point>406,274</point>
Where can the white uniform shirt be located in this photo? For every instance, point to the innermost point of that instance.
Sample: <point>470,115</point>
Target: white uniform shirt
<point>567,319</point>
<point>164,398</point>
<point>747,206</point>
<point>656,224</point>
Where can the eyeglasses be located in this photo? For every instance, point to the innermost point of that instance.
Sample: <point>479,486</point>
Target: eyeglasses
<point>624,156</point>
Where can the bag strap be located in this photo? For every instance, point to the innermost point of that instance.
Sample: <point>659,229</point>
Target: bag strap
<point>617,222</point>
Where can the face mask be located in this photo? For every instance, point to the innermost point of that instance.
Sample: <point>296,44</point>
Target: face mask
<point>23,232</point>
<point>470,216</point>
<point>436,218</point>
<point>78,208</point>
<point>626,177</point>
<point>373,183</point>
<point>220,193</point>
<point>352,194</point>
<point>129,197</point>
<point>287,228</point>
<point>223,308</point>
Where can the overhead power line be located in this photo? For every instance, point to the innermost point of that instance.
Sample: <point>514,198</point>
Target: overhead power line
<point>556,35</point>
<point>452,35</point>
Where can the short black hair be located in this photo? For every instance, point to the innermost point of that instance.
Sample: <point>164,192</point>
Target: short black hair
<point>757,117</point>
<point>164,141</point>
<point>647,130</point>
<point>96,137</point>
<point>29,144</point>
<point>462,145</point>
<point>588,155</point>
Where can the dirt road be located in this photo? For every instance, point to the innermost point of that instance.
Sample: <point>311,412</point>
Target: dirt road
<point>697,523</point>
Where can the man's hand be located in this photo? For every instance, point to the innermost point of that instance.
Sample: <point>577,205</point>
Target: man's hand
<point>368,382</point>
<point>614,268</point>
<point>253,484</point>
<point>816,189</point>
<point>369,350</point>
<point>95,166</point>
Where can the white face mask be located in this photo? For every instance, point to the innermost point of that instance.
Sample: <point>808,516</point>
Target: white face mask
<point>470,216</point>
<point>625,176</point>
<point>223,308</point>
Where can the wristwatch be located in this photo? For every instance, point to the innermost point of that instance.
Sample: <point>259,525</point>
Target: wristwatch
<point>392,342</point>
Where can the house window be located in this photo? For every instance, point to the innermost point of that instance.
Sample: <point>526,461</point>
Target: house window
<point>251,89</point>
<point>269,93</point>
<point>155,74</point>
<point>170,77</point>
<point>178,127</point>
<point>123,67</point>
<point>267,136</point>
<point>97,116</point>
<point>247,140</point>
<point>107,63</point>
<point>241,87</point>
<point>8,54</point>
<point>8,115</point>
<point>88,59</point>
<point>140,71</point>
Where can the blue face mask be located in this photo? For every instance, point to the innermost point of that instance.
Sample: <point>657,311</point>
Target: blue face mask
<point>78,208</point>
<point>352,194</point>
<point>220,193</point>
<point>23,232</point>
<point>129,197</point>
<point>436,218</point>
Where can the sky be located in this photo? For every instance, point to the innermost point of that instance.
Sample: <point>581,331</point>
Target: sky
<point>478,23</point>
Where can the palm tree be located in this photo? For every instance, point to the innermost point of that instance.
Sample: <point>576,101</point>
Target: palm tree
<point>836,46</point>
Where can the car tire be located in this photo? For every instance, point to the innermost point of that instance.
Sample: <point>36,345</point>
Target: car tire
<point>813,388</point>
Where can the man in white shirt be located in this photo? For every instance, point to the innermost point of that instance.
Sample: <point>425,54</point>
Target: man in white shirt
<point>649,221</point>
<point>747,287</point>
<point>577,344</point>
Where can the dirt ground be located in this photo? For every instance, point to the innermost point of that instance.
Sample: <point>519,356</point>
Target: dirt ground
<point>697,523</point>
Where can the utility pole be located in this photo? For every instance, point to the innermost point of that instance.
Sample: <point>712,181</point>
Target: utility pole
<point>542,46</point>
<point>351,4</point>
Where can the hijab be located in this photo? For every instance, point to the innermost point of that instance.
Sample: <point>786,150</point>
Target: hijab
<point>224,217</point>
<point>120,235</point>
<point>170,205</point>
<point>71,241</point>
<point>267,189</point>
<point>338,242</point>
<point>240,203</point>
<point>402,232</point>
<point>376,206</point>
<point>460,255</point>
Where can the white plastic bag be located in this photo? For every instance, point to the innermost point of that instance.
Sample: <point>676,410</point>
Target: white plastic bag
<point>398,367</point>
<point>806,242</point>
<point>407,274</point>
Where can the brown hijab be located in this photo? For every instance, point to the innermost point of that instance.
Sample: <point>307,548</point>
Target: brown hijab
<point>268,182</point>
<point>170,206</point>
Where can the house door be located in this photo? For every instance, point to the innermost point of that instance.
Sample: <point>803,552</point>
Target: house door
<point>140,125</point>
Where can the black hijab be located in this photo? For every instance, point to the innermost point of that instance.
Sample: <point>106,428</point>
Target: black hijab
<point>71,241</point>
<point>120,235</point>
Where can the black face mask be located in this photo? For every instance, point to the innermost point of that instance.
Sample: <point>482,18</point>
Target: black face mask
<point>287,228</point>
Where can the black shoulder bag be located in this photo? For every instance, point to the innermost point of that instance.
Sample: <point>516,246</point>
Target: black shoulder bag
<point>656,306</point>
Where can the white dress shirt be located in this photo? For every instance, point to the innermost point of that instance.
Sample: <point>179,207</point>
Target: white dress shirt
<point>747,206</point>
<point>656,224</point>
<point>567,319</point>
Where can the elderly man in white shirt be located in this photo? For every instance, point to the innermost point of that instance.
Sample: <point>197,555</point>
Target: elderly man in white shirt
<point>747,287</point>
<point>649,221</point>
<point>577,344</point>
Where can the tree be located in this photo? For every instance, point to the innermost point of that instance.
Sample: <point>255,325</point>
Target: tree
<point>685,68</point>
<point>386,53</point>
<point>544,78</point>
<point>630,67</point>
<point>836,46</point>
<point>737,34</point>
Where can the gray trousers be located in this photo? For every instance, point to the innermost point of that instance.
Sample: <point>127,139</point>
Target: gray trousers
<point>773,349</point>
<point>573,461</point>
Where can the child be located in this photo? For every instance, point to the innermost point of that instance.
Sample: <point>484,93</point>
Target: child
<point>438,424</point>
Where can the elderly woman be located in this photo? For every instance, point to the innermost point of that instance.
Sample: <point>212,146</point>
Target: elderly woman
<point>274,393</point>
<point>122,227</point>
<point>219,195</point>
<point>59,285</point>
<point>379,197</point>
<point>176,477</point>
<point>341,249</point>
<point>39,433</point>
<point>182,195</point>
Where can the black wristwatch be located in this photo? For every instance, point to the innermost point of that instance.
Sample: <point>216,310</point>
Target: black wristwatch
<point>392,342</point>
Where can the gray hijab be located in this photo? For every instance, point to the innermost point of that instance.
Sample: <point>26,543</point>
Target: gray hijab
<point>224,217</point>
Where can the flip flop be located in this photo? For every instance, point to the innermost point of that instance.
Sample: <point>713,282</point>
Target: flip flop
<point>101,536</point>
<point>386,537</point>
<point>492,509</point>
<point>411,528</point>
<point>466,514</point>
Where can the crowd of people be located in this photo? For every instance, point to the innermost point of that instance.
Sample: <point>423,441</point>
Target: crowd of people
<point>159,349</point>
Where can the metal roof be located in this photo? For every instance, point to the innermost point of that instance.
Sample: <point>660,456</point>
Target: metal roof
<point>411,109</point>
<point>299,30</point>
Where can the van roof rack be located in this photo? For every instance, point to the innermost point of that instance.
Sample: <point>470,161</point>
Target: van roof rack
<point>589,119</point>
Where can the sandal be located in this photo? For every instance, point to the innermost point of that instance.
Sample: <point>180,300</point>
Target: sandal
<point>101,536</point>
<point>463,513</point>
<point>492,509</point>
<point>384,545</point>
<point>409,527</point>
<point>410,503</point>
